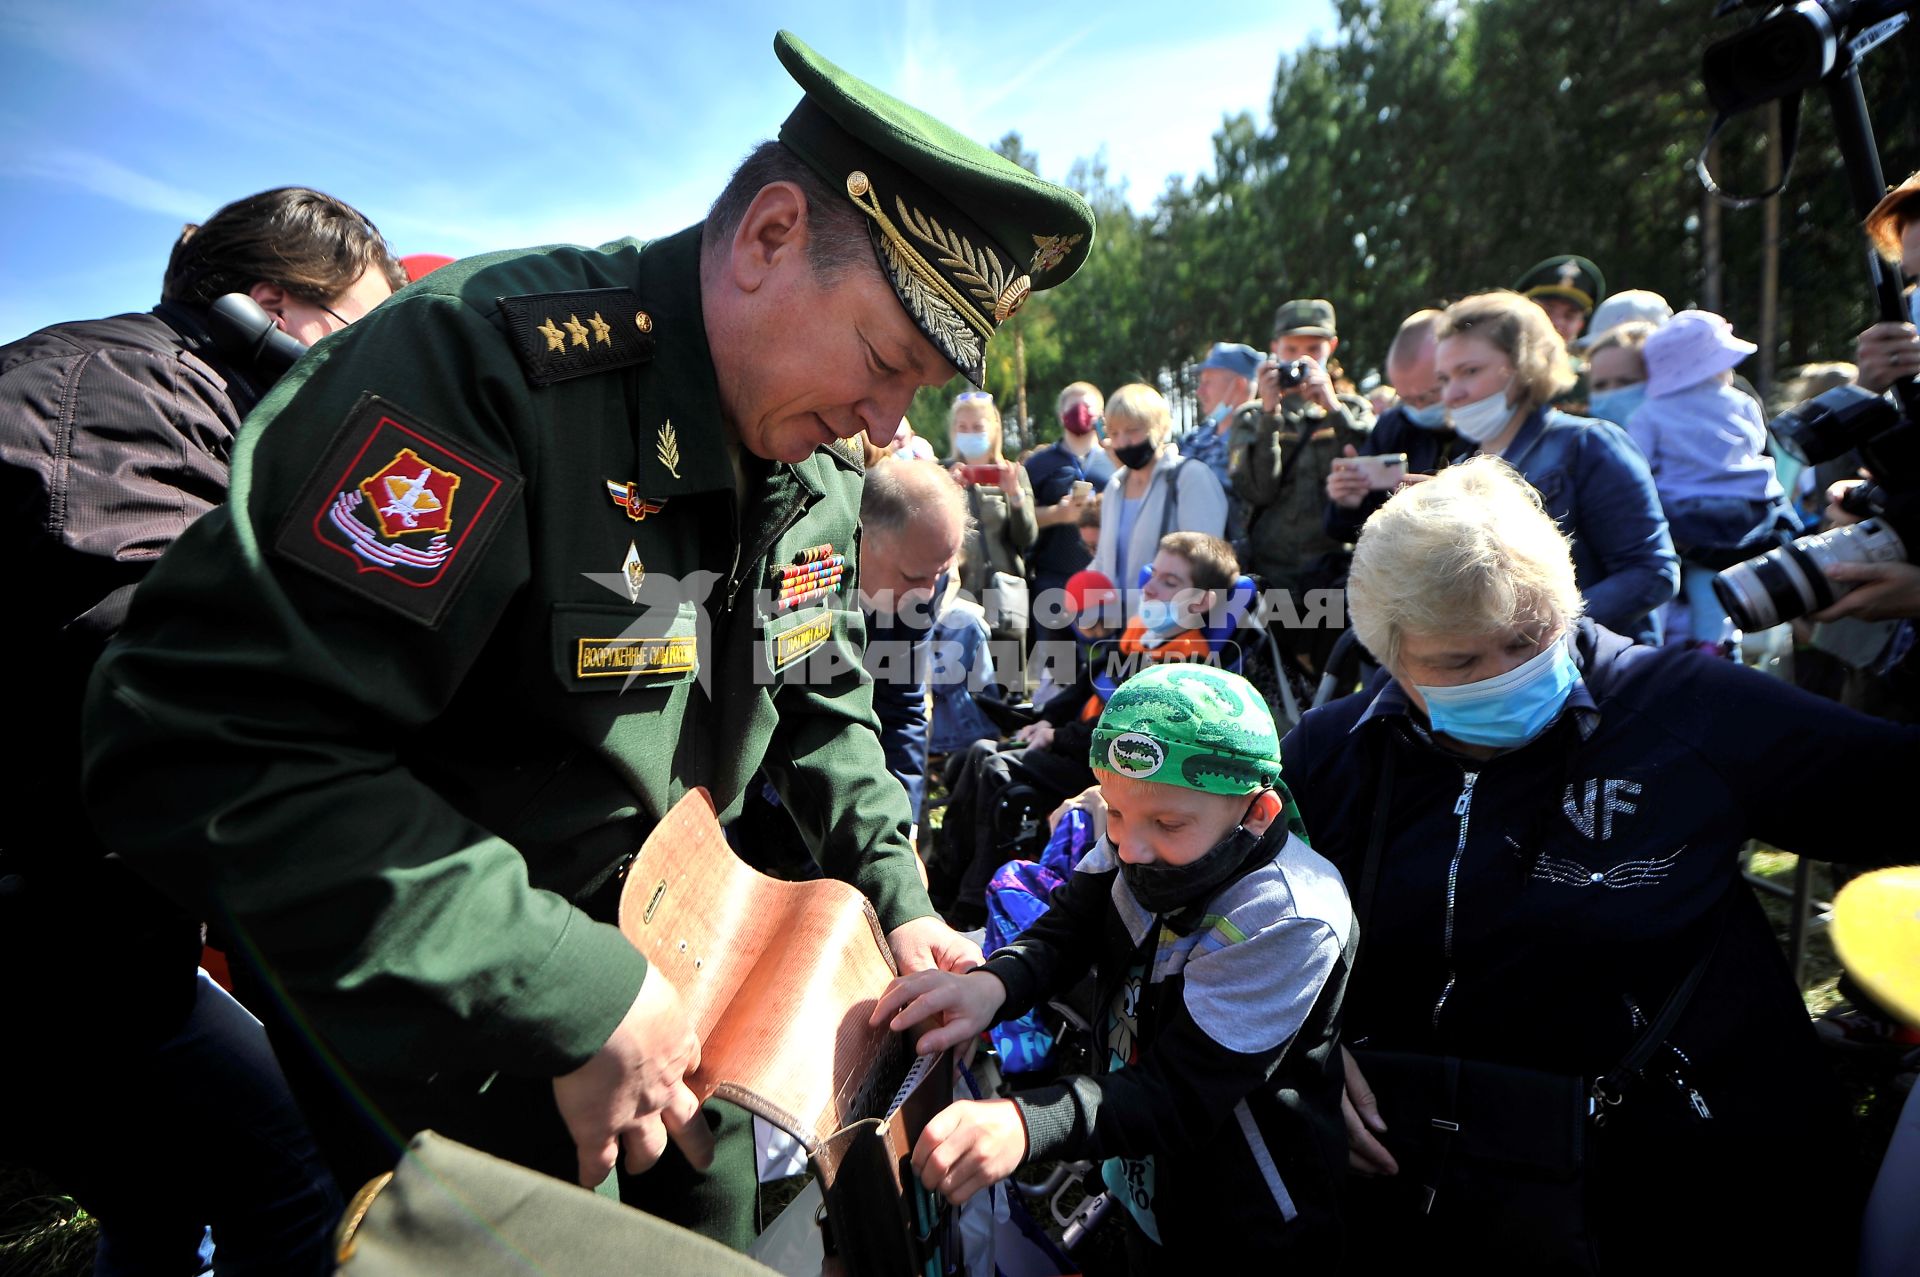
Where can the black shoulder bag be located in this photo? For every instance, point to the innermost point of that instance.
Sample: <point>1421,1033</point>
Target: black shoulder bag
<point>1495,1156</point>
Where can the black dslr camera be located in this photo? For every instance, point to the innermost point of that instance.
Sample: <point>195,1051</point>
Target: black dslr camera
<point>1293,373</point>
<point>1792,48</point>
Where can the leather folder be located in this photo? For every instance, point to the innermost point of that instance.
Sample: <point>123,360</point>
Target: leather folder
<point>778,979</point>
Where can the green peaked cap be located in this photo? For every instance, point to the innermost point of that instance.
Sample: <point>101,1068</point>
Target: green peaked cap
<point>1189,725</point>
<point>1568,276</point>
<point>962,234</point>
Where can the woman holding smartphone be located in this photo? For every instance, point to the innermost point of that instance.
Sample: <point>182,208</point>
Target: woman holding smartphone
<point>1000,499</point>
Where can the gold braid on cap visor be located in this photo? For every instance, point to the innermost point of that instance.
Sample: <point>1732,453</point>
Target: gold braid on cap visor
<point>932,299</point>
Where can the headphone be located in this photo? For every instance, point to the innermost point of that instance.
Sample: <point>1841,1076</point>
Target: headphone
<point>247,333</point>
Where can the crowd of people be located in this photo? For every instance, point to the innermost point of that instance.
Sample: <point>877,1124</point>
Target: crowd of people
<point>1415,732</point>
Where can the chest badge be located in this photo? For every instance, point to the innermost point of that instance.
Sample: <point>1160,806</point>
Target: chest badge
<point>668,448</point>
<point>814,573</point>
<point>634,571</point>
<point>627,497</point>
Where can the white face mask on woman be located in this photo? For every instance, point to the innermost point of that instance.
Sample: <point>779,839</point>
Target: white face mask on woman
<point>1482,419</point>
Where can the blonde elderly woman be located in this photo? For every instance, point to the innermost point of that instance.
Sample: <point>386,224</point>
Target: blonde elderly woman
<point>999,499</point>
<point>1540,824</point>
<point>1500,364</point>
<point>1155,492</point>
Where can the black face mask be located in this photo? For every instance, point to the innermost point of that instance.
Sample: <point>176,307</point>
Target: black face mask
<point>1164,889</point>
<point>1135,455</point>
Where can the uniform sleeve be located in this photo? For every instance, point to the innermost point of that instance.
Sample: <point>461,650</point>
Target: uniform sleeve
<point>242,734</point>
<point>900,702</point>
<point>1242,1002</point>
<point>1256,461</point>
<point>1618,517</point>
<point>828,766</point>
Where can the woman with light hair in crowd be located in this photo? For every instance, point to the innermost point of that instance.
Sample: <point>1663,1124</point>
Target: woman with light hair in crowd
<point>1500,365</point>
<point>1574,1045</point>
<point>1156,491</point>
<point>993,563</point>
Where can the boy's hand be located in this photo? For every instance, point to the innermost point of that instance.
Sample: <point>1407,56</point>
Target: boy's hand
<point>1361,1113</point>
<point>961,1006</point>
<point>968,1146</point>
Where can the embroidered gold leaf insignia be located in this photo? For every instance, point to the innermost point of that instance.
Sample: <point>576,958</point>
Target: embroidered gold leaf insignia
<point>1051,251</point>
<point>668,449</point>
<point>930,308</point>
<point>978,269</point>
<point>556,340</point>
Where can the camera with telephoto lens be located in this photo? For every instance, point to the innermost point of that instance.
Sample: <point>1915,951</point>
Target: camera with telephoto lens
<point>1790,581</point>
<point>1293,373</point>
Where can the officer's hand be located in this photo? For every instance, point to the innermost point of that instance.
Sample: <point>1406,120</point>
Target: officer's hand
<point>1881,592</point>
<point>1346,486</point>
<point>632,1092</point>
<point>957,1008</point>
<point>1886,353</point>
<point>968,1146</point>
<point>927,942</point>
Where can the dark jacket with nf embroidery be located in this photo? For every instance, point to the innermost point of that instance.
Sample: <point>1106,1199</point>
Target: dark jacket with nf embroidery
<point>1235,1093</point>
<point>1537,908</point>
<point>437,669</point>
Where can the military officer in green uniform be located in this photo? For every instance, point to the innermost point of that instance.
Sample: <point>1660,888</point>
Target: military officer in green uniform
<point>1567,287</point>
<point>1281,447</point>
<point>509,567</point>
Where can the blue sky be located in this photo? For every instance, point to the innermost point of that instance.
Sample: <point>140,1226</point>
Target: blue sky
<point>462,127</point>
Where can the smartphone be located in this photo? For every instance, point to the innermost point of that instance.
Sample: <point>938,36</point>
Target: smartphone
<point>1082,489</point>
<point>1384,472</point>
<point>980,471</point>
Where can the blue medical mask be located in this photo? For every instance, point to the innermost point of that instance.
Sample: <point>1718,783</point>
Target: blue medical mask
<point>1159,615</point>
<point>1508,710</point>
<point>971,446</point>
<point>1617,405</point>
<point>1482,419</point>
<point>1431,417</point>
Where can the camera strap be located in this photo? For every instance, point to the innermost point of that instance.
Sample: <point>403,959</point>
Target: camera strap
<point>1790,133</point>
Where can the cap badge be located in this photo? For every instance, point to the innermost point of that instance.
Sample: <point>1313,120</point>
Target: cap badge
<point>1051,250</point>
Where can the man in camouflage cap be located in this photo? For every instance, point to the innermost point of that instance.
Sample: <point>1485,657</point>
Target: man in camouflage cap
<point>512,565</point>
<point>1567,287</point>
<point>1281,451</point>
<point>1221,944</point>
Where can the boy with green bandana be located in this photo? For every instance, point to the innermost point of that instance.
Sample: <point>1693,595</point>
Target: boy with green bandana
<point>1221,942</point>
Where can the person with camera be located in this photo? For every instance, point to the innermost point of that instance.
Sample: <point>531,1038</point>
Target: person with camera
<point>1414,428</point>
<point>1574,1045</point>
<point>1001,529</point>
<point>115,435</point>
<point>1283,448</point>
<point>1888,351</point>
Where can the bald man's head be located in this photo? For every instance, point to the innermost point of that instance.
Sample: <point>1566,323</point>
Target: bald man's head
<point>913,517</point>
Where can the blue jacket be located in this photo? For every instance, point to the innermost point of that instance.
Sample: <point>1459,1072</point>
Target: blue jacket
<point>896,656</point>
<point>1595,484</point>
<point>1536,908</point>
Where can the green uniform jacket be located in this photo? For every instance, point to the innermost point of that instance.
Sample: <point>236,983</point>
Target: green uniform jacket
<point>1280,466</point>
<point>394,709</point>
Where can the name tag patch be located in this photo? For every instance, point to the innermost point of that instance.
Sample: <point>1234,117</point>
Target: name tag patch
<point>620,657</point>
<point>397,512</point>
<point>802,641</point>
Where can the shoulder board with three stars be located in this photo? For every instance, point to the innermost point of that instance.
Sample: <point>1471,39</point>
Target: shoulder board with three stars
<point>564,335</point>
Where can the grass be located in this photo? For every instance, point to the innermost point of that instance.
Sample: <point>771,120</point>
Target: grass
<point>43,1233</point>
